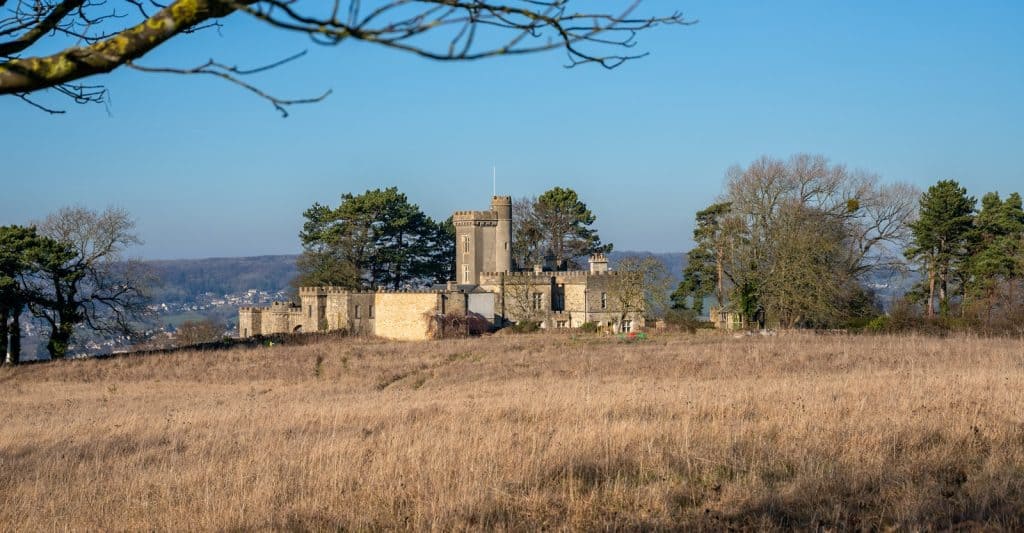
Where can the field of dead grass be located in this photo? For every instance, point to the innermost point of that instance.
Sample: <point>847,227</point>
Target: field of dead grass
<point>523,433</point>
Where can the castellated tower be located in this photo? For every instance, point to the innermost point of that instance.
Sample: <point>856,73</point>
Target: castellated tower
<point>502,206</point>
<point>483,241</point>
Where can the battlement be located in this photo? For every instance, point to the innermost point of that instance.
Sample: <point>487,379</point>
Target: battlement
<point>330,289</point>
<point>411,291</point>
<point>475,215</point>
<point>501,200</point>
<point>548,274</point>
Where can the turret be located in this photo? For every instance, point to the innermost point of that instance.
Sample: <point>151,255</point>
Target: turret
<point>598,263</point>
<point>502,207</point>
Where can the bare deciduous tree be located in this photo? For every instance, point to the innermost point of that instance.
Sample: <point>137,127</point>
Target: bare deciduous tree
<point>99,36</point>
<point>95,286</point>
<point>198,331</point>
<point>523,299</point>
<point>799,235</point>
<point>640,285</point>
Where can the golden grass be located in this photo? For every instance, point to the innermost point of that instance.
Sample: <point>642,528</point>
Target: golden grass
<point>521,433</point>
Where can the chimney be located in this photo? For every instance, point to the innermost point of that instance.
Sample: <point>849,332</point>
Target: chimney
<point>598,263</point>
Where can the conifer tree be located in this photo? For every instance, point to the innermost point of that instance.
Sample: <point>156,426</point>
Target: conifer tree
<point>16,243</point>
<point>371,240</point>
<point>997,249</point>
<point>705,269</point>
<point>564,222</point>
<point>941,239</point>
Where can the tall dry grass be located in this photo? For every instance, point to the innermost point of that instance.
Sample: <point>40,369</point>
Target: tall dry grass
<point>523,433</point>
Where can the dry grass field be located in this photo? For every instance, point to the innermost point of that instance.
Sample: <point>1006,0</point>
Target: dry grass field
<point>523,433</point>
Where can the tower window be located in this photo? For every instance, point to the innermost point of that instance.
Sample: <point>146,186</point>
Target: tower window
<point>604,300</point>
<point>371,310</point>
<point>538,301</point>
<point>357,311</point>
<point>465,273</point>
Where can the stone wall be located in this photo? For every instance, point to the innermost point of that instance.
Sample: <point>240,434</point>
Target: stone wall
<point>406,315</point>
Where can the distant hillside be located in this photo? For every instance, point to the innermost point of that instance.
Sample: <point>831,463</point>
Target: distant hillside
<point>183,280</point>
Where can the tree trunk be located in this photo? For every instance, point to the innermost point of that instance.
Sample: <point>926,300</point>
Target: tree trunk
<point>60,337</point>
<point>14,352</point>
<point>931,293</point>
<point>4,315</point>
<point>943,296</point>
<point>719,292</point>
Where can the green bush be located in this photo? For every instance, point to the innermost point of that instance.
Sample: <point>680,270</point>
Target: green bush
<point>879,324</point>
<point>685,319</point>
<point>525,326</point>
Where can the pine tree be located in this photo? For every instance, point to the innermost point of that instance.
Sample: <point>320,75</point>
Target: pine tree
<point>996,251</point>
<point>941,239</point>
<point>564,221</point>
<point>704,272</point>
<point>375,239</point>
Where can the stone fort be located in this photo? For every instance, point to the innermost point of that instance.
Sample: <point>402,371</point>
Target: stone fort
<point>486,294</point>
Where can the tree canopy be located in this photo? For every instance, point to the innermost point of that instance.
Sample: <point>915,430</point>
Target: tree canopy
<point>98,36</point>
<point>373,240</point>
<point>21,250</point>
<point>796,238</point>
<point>557,224</point>
<point>71,273</point>
<point>87,280</point>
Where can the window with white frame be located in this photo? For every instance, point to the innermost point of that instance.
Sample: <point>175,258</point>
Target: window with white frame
<point>538,301</point>
<point>604,300</point>
<point>627,326</point>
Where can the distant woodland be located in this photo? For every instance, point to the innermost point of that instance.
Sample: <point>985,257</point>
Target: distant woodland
<point>182,280</point>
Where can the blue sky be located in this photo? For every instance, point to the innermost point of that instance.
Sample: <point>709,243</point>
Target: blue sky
<point>915,91</point>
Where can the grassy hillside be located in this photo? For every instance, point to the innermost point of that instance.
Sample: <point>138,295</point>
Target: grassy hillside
<point>523,432</point>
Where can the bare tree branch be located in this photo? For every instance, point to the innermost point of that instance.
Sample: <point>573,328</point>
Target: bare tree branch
<point>445,30</point>
<point>231,73</point>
